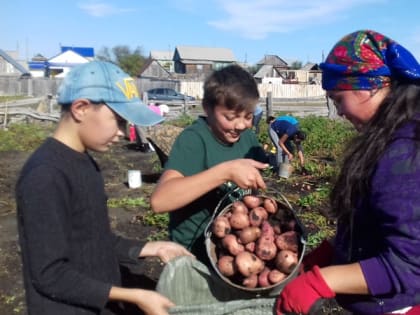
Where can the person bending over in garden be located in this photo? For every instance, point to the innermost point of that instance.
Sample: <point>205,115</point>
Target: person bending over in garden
<point>215,151</point>
<point>373,266</point>
<point>285,134</point>
<point>70,255</point>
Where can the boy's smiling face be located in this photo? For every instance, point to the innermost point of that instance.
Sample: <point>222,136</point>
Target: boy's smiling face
<point>228,124</point>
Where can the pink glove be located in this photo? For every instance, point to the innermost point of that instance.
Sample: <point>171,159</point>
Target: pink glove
<point>321,256</point>
<point>300,294</point>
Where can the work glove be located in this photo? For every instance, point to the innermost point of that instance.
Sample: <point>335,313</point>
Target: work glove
<point>302,293</point>
<point>321,256</point>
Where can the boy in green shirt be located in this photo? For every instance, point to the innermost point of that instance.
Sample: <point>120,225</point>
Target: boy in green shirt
<point>208,155</point>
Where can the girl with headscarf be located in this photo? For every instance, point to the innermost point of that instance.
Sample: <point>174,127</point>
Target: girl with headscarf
<point>373,265</point>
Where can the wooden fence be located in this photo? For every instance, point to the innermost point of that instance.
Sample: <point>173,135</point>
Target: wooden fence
<point>39,87</point>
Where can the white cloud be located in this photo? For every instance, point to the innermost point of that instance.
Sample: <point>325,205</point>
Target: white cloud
<point>256,19</point>
<point>102,9</point>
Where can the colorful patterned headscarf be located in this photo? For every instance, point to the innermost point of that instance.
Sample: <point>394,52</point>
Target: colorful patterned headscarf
<point>366,60</point>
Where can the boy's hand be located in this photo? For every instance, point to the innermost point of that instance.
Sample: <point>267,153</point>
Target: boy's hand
<point>164,250</point>
<point>152,303</point>
<point>246,173</point>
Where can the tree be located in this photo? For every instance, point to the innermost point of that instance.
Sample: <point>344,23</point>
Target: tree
<point>128,60</point>
<point>296,65</point>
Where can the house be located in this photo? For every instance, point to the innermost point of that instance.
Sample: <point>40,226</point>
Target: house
<point>59,65</point>
<point>9,65</point>
<point>37,66</point>
<point>164,58</point>
<point>313,73</point>
<point>272,69</point>
<point>153,69</point>
<point>198,61</point>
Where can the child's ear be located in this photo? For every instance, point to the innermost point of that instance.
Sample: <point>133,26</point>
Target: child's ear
<point>79,108</point>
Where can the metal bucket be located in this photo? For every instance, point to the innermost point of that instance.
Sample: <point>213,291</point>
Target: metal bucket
<point>285,170</point>
<point>284,208</point>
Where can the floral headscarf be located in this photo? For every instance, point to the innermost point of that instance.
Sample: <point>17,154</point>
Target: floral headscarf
<point>366,60</point>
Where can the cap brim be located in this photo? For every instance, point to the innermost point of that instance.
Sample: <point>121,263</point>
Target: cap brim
<point>137,113</point>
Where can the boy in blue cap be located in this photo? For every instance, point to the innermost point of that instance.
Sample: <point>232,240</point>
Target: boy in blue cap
<point>70,255</point>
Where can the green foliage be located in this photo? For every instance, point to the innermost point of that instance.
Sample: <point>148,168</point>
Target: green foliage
<point>128,60</point>
<point>159,221</point>
<point>316,198</point>
<point>325,137</point>
<point>127,202</point>
<point>182,120</point>
<point>23,137</point>
<point>8,98</point>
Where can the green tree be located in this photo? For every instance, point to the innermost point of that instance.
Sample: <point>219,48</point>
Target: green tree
<point>131,61</point>
<point>296,65</point>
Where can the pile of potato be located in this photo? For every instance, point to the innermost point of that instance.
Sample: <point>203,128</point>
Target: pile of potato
<point>257,244</point>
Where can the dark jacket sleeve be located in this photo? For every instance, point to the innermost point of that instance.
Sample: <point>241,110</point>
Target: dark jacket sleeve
<point>43,201</point>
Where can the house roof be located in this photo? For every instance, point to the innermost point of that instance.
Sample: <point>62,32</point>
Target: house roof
<point>68,58</point>
<point>87,52</point>
<point>311,66</point>
<point>205,53</point>
<point>272,60</point>
<point>161,54</point>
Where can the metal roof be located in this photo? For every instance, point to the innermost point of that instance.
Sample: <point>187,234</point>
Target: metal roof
<point>161,54</point>
<point>205,53</point>
<point>82,51</point>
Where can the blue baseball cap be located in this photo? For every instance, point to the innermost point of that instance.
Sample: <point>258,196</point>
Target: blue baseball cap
<point>104,82</point>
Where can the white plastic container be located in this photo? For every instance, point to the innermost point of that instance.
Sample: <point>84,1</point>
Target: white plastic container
<point>134,178</point>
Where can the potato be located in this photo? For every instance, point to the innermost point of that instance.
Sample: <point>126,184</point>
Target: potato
<point>239,220</point>
<point>252,201</point>
<point>250,247</point>
<point>265,248</point>
<point>249,234</point>
<point>263,278</point>
<point>257,215</point>
<point>230,242</point>
<point>221,226</point>
<point>239,206</point>
<point>276,276</point>
<point>288,240</point>
<point>270,205</point>
<point>251,281</point>
<point>286,261</point>
<point>226,265</point>
<point>248,264</point>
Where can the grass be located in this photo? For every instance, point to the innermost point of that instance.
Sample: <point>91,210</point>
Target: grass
<point>24,137</point>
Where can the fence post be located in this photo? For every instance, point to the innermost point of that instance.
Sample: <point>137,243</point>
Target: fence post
<point>145,98</point>
<point>185,105</point>
<point>269,104</point>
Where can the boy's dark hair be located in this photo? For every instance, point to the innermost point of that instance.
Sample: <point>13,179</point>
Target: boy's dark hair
<point>231,86</point>
<point>300,135</point>
<point>270,119</point>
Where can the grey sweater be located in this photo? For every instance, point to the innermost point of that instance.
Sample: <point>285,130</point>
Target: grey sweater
<point>70,255</point>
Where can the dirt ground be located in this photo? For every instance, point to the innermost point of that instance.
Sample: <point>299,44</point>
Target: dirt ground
<point>114,165</point>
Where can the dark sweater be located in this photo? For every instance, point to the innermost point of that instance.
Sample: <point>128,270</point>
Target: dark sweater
<point>70,256</point>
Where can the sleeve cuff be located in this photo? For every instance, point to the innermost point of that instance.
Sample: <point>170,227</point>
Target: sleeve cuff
<point>376,276</point>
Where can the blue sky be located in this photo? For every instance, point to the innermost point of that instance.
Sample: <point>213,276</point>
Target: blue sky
<point>292,29</point>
